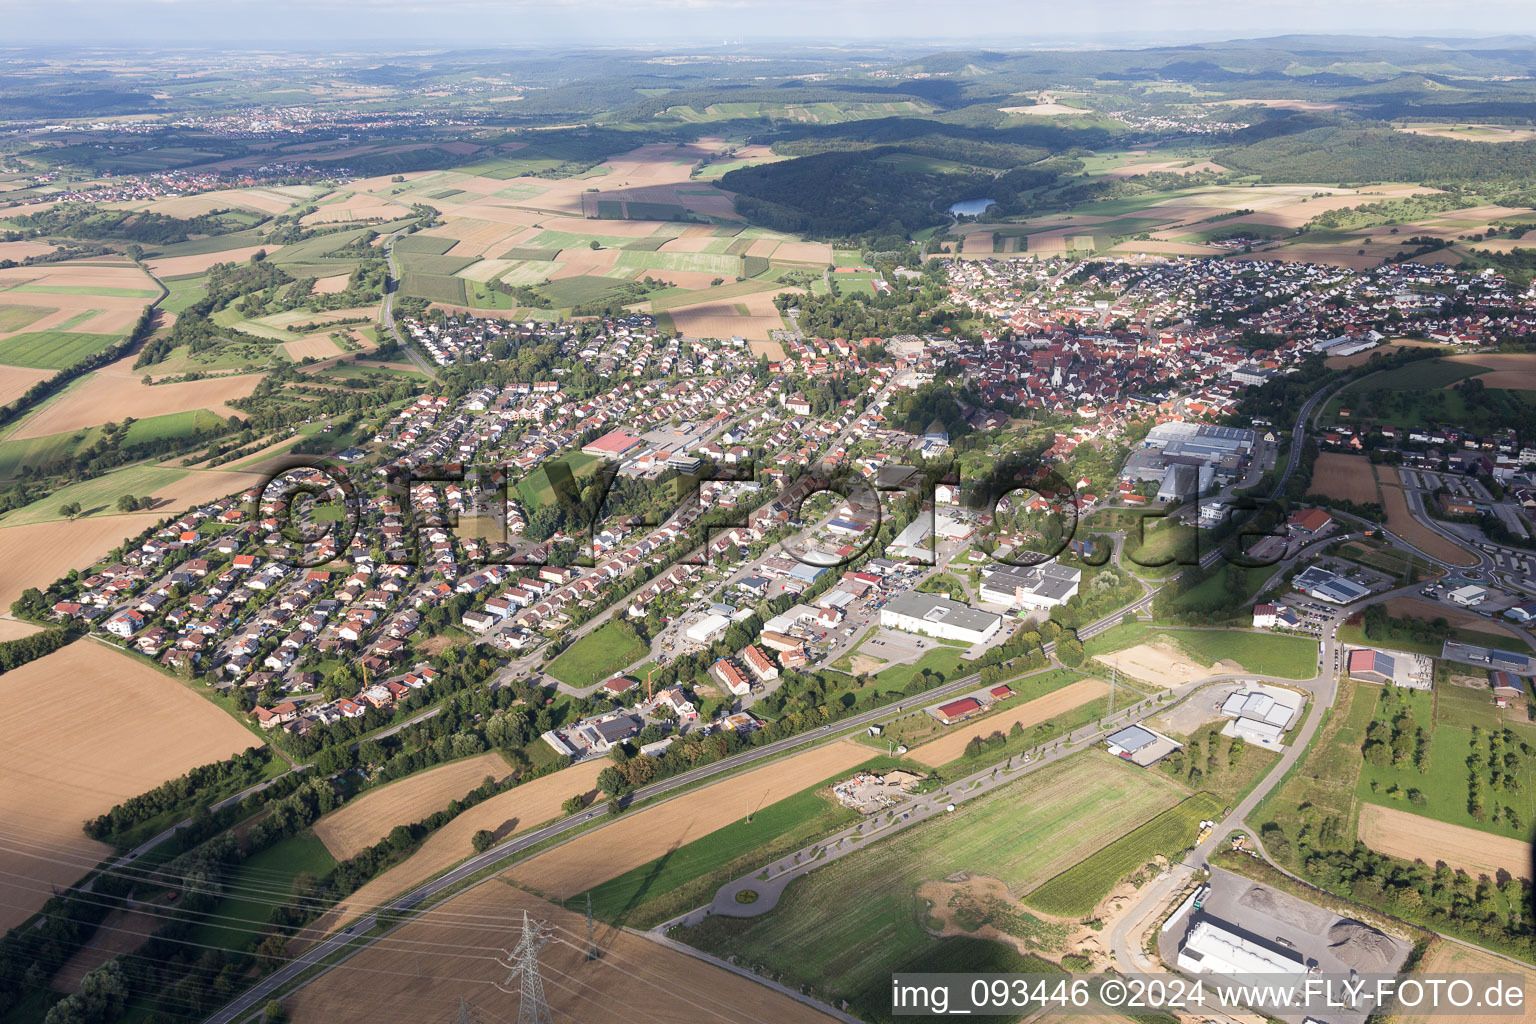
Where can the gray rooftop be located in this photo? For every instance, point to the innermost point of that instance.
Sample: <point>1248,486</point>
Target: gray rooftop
<point>934,608</point>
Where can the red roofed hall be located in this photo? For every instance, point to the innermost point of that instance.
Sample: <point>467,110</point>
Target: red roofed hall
<point>958,709</point>
<point>614,444</point>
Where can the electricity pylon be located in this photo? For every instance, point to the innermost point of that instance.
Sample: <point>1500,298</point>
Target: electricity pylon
<point>591,931</point>
<point>533,1009</point>
<point>466,1014</point>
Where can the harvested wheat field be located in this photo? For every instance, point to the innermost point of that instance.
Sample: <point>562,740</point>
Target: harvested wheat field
<point>642,836</point>
<point>76,289</point>
<point>724,320</point>
<point>952,744</point>
<point>1401,522</point>
<point>175,266</point>
<point>116,391</point>
<point>19,251</point>
<point>1161,664</point>
<point>123,931</point>
<point>15,629</point>
<point>1345,477</point>
<point>332,285</point>
<point>803,252</point>
<point>1432,610</point>
<point>366,820</point>
<point>360,207</point>
<point>1415,837</point>
<point>315,346</point>
<point>1448,957</point>
<point>517,810</point>
<point>450,953</point>
<point>38,554</point>
<point>1507,369</point>
<point>125,729</point>
<point>15,380</point>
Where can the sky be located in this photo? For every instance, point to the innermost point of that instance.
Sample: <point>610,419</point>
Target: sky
<point>647,23</point>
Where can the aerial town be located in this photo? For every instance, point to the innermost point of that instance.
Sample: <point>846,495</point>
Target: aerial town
<point>563,547</point>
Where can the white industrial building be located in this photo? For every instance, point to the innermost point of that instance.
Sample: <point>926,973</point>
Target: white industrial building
<point>1034,587</point>
<point>1469,596</point>
<point>937,616</point>
<point>1211,949</point>
<point>1261,714</point>
<point>708,628</point>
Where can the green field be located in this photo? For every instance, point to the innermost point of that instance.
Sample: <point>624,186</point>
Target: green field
<point>14,318</point>
<point>434,287</point>
<point>845,927</point>
<point>434,245</point>
<point>427,263</point>
<point>40,451</point>
<point>264,878</point>
<point>51,350</point>
<point>173,424</point>
<point>529,253</point>
<point>74,289</point>
<point>184,292</point>
<point>97,496</point>
<point>1269,654</point>
<point>648,894</point>
<point>1448,714</point>
<point>596,656</point>
<point>535,488</point>
<point>571,291</point>
<point>1076,891</point>
<point>1422,374</point>
<point>695,262</point>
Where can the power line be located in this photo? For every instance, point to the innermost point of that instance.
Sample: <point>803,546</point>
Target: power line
<point>533,1007</point>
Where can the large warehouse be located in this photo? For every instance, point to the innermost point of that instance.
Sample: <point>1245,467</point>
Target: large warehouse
<point>1209,948</point>
<point>1034,587</point>
<point>939,617</point>
<point>1318,582</point>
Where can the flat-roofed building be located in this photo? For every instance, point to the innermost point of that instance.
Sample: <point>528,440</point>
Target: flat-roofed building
<point>1211,949</point>
<point>937,616</point>
<point>1034,587</point>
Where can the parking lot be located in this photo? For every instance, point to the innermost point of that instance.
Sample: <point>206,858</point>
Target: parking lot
<point>1328,943</point>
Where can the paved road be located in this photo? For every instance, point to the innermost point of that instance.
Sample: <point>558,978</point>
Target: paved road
<point>387,311</point>
<point>149,844</point>
<point>500,855</point>
<point>903,816</point>
<point>503,854</point>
